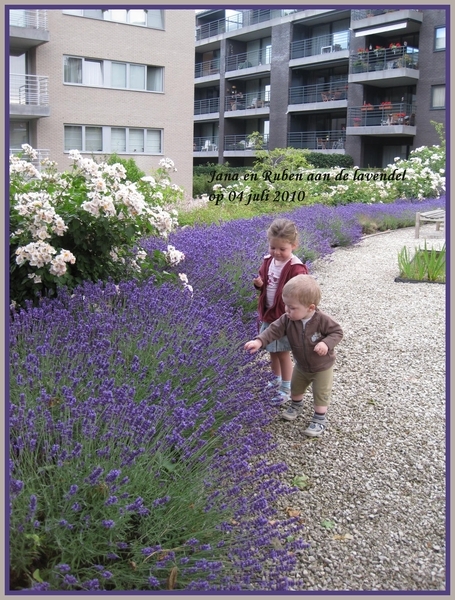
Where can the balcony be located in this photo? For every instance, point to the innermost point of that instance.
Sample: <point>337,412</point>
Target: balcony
<point>383,67</point>
<point>314,97</point>
<point>256,102</point>
<point>206,68</point>
<point>330,142</point>
<point>36,162</point>
<point>209,106</point>
<point>386,119</point>
<point>324,48</point>
<point>245,18</point>
<point>259,59</point>
<point>29,97</point>
<point>205,146</point>
<point>240,145</point>
<point>214,28</point>
<point>27,29</point>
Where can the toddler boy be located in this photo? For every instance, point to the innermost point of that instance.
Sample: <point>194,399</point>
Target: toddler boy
<point>312,335</point>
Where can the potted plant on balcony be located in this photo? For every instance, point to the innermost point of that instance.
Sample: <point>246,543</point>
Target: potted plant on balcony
<point>379,51</point>
<point>367,106</point>
<point>394,46</point>
<point>406,61</point>
<point>359,65</point>
<point>356,121</point>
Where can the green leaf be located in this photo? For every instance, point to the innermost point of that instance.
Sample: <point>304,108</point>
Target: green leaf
<point>36,576</point>
<point>328,524</point>
<point>301,481</point>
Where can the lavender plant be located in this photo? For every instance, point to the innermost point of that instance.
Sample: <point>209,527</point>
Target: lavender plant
<point>138,426</point>
<point>135,446</point>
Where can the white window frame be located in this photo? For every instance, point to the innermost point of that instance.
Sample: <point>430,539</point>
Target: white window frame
<point>106,73</point>
<point>106,138</point>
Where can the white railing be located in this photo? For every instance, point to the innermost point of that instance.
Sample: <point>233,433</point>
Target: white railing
<point>41,155</point>
<point>33,19</point>
<point>29,89</point>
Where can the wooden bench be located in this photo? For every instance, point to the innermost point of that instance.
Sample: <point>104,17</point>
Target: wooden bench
<point>437,216</point>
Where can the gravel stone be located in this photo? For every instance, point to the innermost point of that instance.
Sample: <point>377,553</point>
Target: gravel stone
<point>378,472</point>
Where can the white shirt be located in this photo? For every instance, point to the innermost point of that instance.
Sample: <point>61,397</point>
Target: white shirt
<point>273,276</point>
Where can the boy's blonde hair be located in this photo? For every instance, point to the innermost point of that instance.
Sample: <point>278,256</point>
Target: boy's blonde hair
<point>284,229</point>
<point>303,288</point>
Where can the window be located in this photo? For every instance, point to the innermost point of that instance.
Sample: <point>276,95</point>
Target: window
<point>440,38</point>
<point>106,73</point>
<point>118,140</point>
<point>18,134</point>
<point>82,71</point>
<point>121,140</point>
<point>83,138</point>
<point>438,96</point>
<point>72,69</point>
<point>93,139</point>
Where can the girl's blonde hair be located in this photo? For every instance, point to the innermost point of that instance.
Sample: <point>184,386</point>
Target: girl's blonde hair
<point>284,229</point>
<point>303,288</point>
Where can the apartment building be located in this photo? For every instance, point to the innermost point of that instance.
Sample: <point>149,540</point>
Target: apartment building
<point>361,82</point>
<point>103,81</point>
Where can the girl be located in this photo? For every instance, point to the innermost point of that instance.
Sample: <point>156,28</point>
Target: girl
<point>277,268</point>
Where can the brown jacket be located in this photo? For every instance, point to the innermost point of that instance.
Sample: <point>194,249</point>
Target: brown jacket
<point>320,328</point>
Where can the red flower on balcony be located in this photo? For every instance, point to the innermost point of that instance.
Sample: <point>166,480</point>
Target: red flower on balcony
<point>367,106</point>
<point>395,45</point>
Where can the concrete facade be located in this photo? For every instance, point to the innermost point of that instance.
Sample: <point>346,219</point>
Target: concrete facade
<point>168,114</point>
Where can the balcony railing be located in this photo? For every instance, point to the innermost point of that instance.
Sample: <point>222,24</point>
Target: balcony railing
<point>323,92</point>
<point>381,59</point>
<point>384,114</point>
<point>32,19</point>
<point>206,30</point>
<point>239,20</point>
<point>249,59</point>
<point>332,42</point>
<point>241,142</point>
<point>255,16</point>
<point>209,105</point>
<point>317,140</point>
<point>208,67</point>
<point>29,90</point>
<point>247,101</point>
<point>36,162</point>
<point>205,144</point>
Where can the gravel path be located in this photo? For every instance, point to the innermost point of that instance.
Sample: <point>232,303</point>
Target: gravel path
<point>374,510</point>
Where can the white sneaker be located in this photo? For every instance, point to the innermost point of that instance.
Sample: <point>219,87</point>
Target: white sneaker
<point>316,427</point>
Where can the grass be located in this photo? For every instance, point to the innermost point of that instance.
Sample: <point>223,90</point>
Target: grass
<point>230,211</point>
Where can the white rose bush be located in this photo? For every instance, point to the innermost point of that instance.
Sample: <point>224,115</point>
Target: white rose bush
<point>85,224</point>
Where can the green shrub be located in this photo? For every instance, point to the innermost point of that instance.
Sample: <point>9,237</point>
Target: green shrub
<point>84,224</point>
<point>132,172</point>
<point>319,160</point>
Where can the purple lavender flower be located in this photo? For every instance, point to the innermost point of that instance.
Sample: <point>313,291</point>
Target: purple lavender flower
<point>108,523</point>
<point>112,475</point>
<point>69,580</point>
<point>154,582</point>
